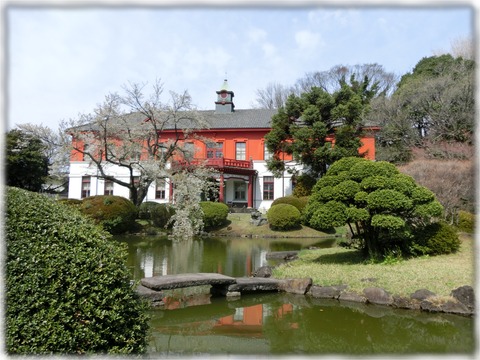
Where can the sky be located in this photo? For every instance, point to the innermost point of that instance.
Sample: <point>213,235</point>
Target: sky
<point>61,61</point>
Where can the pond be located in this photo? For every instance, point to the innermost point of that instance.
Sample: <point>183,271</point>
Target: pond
<point>276,324</point>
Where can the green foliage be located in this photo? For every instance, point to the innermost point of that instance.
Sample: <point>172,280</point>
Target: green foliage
<point>67,286</point>
<point>302,126</point>
<point>159,214</point>
<point>283,217</point>
<point>26,162</point>
<point>437,239</point>
<point>72,202</point>
<point>466,221</point>
<point>304,185</point>
<point>214,214</point>
<point>435,102</point>
<point>329,215</point>
<point>380,205</point>
<point>115,213</point>
<point>292,200</point>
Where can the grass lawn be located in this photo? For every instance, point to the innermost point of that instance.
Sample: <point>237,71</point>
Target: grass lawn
<point>333,266</point>
<point>239,225</point>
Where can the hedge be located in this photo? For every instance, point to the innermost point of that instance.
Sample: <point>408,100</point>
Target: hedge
<point>116,214</point>
<point>437,239</point>
<point>214,214</point>
<point>67,286</point>
<point>158,214</point>
<point>283,217</point>
<point>292,200</point>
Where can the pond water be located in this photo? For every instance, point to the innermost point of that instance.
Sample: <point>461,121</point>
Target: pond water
<point>193,323</point>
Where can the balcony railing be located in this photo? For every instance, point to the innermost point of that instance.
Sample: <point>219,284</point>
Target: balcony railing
<point>218,163</point>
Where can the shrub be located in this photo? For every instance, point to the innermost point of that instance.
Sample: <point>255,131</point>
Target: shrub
<point>380,205</point>
<point>67,286</point>
<point>116,214</point>
<point>291,200</point>
<point>158,214</point>
<point>214,214</point>
<point>73,202</point>
<point>283,217</point>
<point>438,238</point>
<point>466,221</point>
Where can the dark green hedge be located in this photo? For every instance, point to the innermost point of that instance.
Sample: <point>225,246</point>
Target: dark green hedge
<point>437,239</point>
<point>158,214</point>
<point>67,286</point>
<point>283,217</point>
<point>116,214</point>
<point>214,214</point>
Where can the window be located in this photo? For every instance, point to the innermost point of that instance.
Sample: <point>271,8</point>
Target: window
<point>240,151</point>
<point>266,154</point>
<point>240,190</point>
<point>108,188</point>
<point>189,150</point>
<point>86,180</point>
<point>160,189</point>
<point>85,152</point>
<point>136,181</point>
<point>268,188</point>
<point>214,150</point>
<point>136,155</point>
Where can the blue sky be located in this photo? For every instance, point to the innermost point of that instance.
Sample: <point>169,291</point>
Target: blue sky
<point>63,61</point>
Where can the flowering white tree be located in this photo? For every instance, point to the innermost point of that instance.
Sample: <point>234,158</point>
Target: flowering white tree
<point>189,185</point>
<point>129,132</point>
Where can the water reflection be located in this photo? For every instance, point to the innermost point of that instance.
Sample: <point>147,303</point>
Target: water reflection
<point>275,324</point>
<point>288,324</point>
<point>155,256</point>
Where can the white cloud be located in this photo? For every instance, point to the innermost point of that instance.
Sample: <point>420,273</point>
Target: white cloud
<point>256,35</point>
<point>307,40</point>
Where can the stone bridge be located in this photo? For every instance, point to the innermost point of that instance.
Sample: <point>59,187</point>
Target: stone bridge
<point>152,287</point>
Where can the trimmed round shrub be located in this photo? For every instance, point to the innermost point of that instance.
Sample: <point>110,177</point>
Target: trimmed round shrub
<point>158,213</point>
<point>116,214</point>
<point>291,200</point>
<point>438,238</point>
<point>67,285</point>
<point>466,221</point>
<point>283,217</point>
<point>214,214</point>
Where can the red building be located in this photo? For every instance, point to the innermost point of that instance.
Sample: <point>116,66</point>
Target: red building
<point>237,150</point>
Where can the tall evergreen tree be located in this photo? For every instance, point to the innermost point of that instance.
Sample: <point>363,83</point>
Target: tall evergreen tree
<point>302,127</point>
<point>26,162</point>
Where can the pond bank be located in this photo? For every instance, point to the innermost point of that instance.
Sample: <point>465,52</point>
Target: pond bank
<point>462,301</point>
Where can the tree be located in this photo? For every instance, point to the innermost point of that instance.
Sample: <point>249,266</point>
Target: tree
<point>382,207</point>
<point>302,126</point>
<point>463,47</point>
<point>56,148</point>
<point>26,163</point>
<point>331,80</point>
<point>128,132</point>
<point>190,183</point>
<point>273,96</point>
<point>452,181</point>
<point>435,102</point>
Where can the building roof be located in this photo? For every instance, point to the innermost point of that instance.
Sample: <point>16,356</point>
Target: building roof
<point>240,119</point>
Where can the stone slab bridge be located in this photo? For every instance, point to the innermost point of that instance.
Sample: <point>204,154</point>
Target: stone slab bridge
<point>222,285</point>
